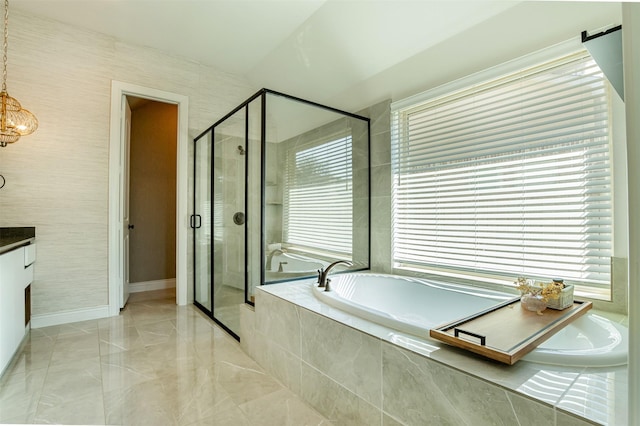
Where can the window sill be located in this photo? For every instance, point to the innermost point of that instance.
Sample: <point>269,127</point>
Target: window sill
<point>492,282</point>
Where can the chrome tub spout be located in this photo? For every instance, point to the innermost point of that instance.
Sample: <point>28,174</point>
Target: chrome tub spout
<point>324,273</point>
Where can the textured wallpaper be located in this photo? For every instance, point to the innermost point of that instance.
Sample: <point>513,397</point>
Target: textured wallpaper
<point>57,178</point>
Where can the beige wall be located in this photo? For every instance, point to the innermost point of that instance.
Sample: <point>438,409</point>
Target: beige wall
<point>152,196</point>
<point>57,178</point>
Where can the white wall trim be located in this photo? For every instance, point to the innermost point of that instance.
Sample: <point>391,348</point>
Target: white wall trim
<point>118,91</point>
<point>152,285</point>
<point>65,317</point>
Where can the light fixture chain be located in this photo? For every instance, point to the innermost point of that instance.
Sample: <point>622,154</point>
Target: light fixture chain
<point>5,45</point>
<point>15,121</point>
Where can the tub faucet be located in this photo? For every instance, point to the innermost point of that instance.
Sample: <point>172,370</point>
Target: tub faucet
<point>270,258</point>
<point>323,273</point>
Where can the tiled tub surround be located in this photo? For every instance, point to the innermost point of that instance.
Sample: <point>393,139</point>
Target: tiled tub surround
<point>356,372</point>
<point>415,305</point>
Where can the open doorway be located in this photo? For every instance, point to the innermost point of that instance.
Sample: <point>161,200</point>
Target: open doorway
<point>118,158</point>
<point>152,195</point>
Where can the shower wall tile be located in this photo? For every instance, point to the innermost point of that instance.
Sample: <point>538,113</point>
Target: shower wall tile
<point>381,212</point>
<point>360,144</point>
<point>380,249</point>
<point>381,180</point>
<point>336,403</point>
<point>348,356</point>
<point>360,184</point>
<point>381,149</point>
<point>380,115</point>
<point>279,320</point>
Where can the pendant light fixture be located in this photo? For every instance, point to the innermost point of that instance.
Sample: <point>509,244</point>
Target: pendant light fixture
<point>14,120</point>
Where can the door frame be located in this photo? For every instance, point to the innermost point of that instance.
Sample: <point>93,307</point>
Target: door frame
<point>119,90</point>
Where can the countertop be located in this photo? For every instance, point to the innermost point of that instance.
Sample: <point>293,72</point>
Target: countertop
<point>13,237</point>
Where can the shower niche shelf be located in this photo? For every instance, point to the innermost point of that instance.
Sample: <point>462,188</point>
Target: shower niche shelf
<point>508,331</point>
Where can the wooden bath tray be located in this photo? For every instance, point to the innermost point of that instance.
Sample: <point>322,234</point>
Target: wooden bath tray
<point>507,332</point>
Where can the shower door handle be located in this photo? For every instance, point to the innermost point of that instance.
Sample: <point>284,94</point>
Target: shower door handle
<point>195,221</point>
<point>238,218</point>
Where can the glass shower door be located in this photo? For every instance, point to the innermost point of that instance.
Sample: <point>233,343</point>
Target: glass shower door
<point>229,218</point>
<point>201,223</point>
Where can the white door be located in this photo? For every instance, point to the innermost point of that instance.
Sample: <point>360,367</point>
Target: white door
<point>126,227</point>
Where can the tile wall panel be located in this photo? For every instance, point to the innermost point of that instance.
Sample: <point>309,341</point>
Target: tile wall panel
<point>280,321</point>
<point>348,356</point>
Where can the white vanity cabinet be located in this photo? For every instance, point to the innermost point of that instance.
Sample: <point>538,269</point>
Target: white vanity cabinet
<point>16,274</point>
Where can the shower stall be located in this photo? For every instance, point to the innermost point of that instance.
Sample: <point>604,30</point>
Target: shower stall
<point>280,189</point>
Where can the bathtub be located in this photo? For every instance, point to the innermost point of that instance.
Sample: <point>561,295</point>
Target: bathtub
<point>414,306</point>
<point>291,265</point>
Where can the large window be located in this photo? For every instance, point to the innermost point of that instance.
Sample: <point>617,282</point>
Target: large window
<point>509,177</point>
<point>318,180</point>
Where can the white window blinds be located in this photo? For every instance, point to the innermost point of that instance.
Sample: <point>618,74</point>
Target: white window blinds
<point>318,180</point>
<point>511,177</point>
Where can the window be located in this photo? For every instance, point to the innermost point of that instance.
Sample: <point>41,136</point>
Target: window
<point>509,177</point>
<point>317,179</point>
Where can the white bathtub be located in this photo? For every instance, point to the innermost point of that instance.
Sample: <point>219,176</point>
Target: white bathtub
<point>289,265</point>
<point>415,305</point>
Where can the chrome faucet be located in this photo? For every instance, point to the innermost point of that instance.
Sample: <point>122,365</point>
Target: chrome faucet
<point>270,258</point>
<point>323,273</point>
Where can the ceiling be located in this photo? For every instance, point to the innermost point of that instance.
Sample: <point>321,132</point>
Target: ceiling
<point>292,45</point>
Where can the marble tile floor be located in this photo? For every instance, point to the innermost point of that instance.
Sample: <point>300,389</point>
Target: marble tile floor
<point>154,364</point>
<point>227,299</point>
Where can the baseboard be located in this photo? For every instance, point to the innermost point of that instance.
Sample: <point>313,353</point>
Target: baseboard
<point>152,285</point>
<point>46,320</point>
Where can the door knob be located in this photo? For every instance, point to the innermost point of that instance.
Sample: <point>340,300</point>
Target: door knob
<point>238,218</point>
<point>131,226</point>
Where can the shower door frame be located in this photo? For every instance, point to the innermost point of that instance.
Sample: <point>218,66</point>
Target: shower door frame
<point>262,94</point>
<point>196,224</point>
<point>245,105</point>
